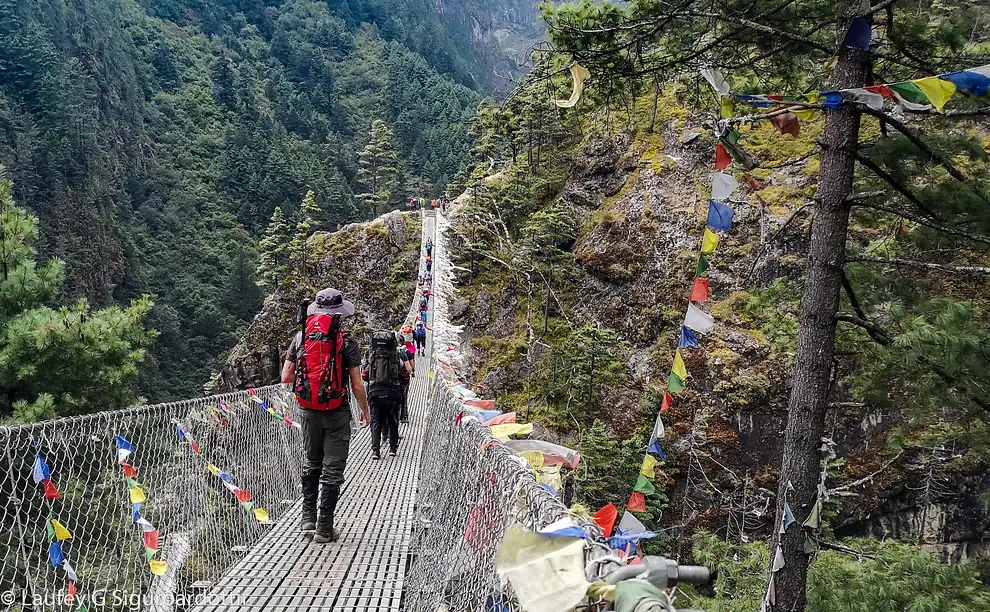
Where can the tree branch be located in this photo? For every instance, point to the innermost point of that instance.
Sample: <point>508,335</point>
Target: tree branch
<point>928,223</point>
<point>901,189</point>
<point>916,140</point>
<point>877,333</point>
<point>920,264</point>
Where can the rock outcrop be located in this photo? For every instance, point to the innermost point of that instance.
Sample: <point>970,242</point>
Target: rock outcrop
<point>374,264</point>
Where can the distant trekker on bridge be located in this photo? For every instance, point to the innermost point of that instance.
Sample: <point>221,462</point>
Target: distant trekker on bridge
<point>319,364</point>
<point>429,247</point>
<point>385,367</point>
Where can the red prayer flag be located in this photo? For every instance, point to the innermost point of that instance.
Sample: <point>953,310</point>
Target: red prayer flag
<point>242,495</point>
<point>699,293</point>
<point>668,402</point>
<point>195,446</point>
<point>787,124</point>
<point>151,540</point>
<point>129,471</point>
<point>50,491</point>
<point>70,594</point>
<point>637,503</point>
<point>883,90</point>
<point>605,518</point>
<point>776,97</point>
<point>722,158</point>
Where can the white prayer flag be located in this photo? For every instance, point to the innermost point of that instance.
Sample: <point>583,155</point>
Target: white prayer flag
<point>698,320</point>
<point>722,186</point>
<point>716,80</point>
<point>870,99</point>
<point>630,524</point>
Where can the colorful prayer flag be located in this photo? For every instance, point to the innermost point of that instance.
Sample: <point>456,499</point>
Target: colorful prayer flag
<point>831,99</point>
<point>678,367</point>
<point>123,444</point>
<point>213,469</point>
<point>151,540</point>
<point>675,384</point>
<point>150,553</point>
<point>716,80</point>
<point>788,516</point>
<point>61,533</point>
<point>644,486</point>
<point>668,402</point>
<point>787,123</point>
<point>938,91</point>
<point>971,81</point>
<point>649,466</point>
<point>242,495</point>
<point>722,158</point>
<point>261,515</point>
<point>658,430</point>
<point>703,266</point>
<point>248,505</point>
<point>859,34</point>
<point>699,292</point>
<point>710,242</point>
<point>50,491</point>
<point>129,471</point>
<point>725,107</point>
<point>137,495</point>
<point>605,518</point>
<point>55,555</point>
<point>656,450</point>
<point>630,524</point>
<point>719,216</point>
<point>637,503</point>
<point>723,186</point>
<point>181,430</point>
<point>863,96</point>
<point>909,95</point>
<point>135,512</point>
<point>158,568</point>
<point>70,593</point>
<point>70,573</point>
<point>145,525</point>
<point>688,339</point>
<point>195,446</point>
<point>698,320</point>
<point>40,471</point>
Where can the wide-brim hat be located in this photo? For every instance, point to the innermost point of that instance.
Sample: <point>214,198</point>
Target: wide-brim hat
<point>331,302</point>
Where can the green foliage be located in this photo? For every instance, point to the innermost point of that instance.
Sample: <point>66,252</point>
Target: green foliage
<point>888,576</point>
<point>64,361</point>
<point>273,262</point>
<point>377,169</point>
<point>155,140</point>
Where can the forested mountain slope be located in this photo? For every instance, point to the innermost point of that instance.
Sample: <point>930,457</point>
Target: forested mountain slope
<point>154,139</point>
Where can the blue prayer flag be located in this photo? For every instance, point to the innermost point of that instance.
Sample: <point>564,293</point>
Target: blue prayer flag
<point>136,512</point>
<point>757,101</point>
<point>55,554</point>
<point>688,339</point>
<point>972,82</point>
<point>123,444</point>
<point>182,432</point>
<point>566,532</point>
<point>655,450</point>
<point>859,34</point>
<point>619,540</point>
<point>720,216</point>
<point>40,471</point>
<point>224,476</point>
<point>831,99</point>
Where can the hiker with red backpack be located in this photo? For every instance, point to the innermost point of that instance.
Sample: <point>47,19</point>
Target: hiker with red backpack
<point>321,362</point>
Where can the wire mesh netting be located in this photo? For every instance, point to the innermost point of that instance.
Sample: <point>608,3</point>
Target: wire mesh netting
<point>203,527</point>
<point>471,489</point>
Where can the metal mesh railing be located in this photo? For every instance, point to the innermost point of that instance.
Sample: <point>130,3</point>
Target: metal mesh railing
<point>203,528</point>
<point>471,489</point>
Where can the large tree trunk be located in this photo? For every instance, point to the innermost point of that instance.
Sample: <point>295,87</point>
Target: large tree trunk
<point>811,372</point>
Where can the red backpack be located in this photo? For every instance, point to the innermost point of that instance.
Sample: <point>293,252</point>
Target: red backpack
<point>320,382</point>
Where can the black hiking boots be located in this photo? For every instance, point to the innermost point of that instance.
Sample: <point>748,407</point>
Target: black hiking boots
<point>310,495</point>
<point>325,531</point>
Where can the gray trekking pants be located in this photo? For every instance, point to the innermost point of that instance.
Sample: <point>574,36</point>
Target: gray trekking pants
<point>326,437</point>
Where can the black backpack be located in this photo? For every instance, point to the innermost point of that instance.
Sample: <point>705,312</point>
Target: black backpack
<point>383,366</point>
<point>424,302</point>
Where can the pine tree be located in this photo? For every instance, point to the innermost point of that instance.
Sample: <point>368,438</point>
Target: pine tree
<point>377,169</point>
<point>274,260</point>
<point>771,45</point>
<point>307,223</point>
<point>56,362</point>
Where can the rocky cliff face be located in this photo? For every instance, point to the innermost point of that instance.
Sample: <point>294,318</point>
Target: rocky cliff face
<point>374,264</point>
<point>643,203</point>
<point>501,32</point>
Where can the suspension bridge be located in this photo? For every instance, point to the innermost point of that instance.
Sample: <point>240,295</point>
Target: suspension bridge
<point>194,505</point>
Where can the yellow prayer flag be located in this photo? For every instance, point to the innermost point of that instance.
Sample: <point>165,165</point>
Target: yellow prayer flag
<point>213,469</point>
<point>725,107</point>
<point>137,495</point>
<point>533,457</point>
<point>158,568</point>
<point>807,114</point>
<point>649,464</point>
<point>710,242</point>
<point>937,90</point>
<point>504,432</point>
<point>60,531</point>
<point>260,515</point>
<point>679,368</point>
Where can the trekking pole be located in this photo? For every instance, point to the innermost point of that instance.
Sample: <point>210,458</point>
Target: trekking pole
<point>662,573</point>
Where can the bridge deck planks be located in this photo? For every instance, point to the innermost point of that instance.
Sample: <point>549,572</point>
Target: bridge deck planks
<point>363,571</point>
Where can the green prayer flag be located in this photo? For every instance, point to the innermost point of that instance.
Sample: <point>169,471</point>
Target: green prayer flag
<point>910,92</point>
<point>51,529</point>
<point>702,266</point>
<point>814,520</point>
<point>675,384</point>
<point>810,545</point>
<point>83,607</point>
<point>149,553</point>
<point>131,483</point>
<point>733,137</point>
<point>248,505</point>
<point>644,486</point>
